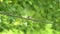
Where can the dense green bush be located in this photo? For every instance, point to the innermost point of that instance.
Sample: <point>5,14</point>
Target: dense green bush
<point>30,16</point>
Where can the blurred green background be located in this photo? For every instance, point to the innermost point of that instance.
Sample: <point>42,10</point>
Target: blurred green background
<point>46,12</point>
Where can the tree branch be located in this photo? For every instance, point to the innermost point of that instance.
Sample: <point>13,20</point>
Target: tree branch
<point>4,13</point>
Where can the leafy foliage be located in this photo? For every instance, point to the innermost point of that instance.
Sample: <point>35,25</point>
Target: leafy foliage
<point>30,16</point>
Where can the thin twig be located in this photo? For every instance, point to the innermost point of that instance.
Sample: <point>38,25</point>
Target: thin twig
<point>4,13</point>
